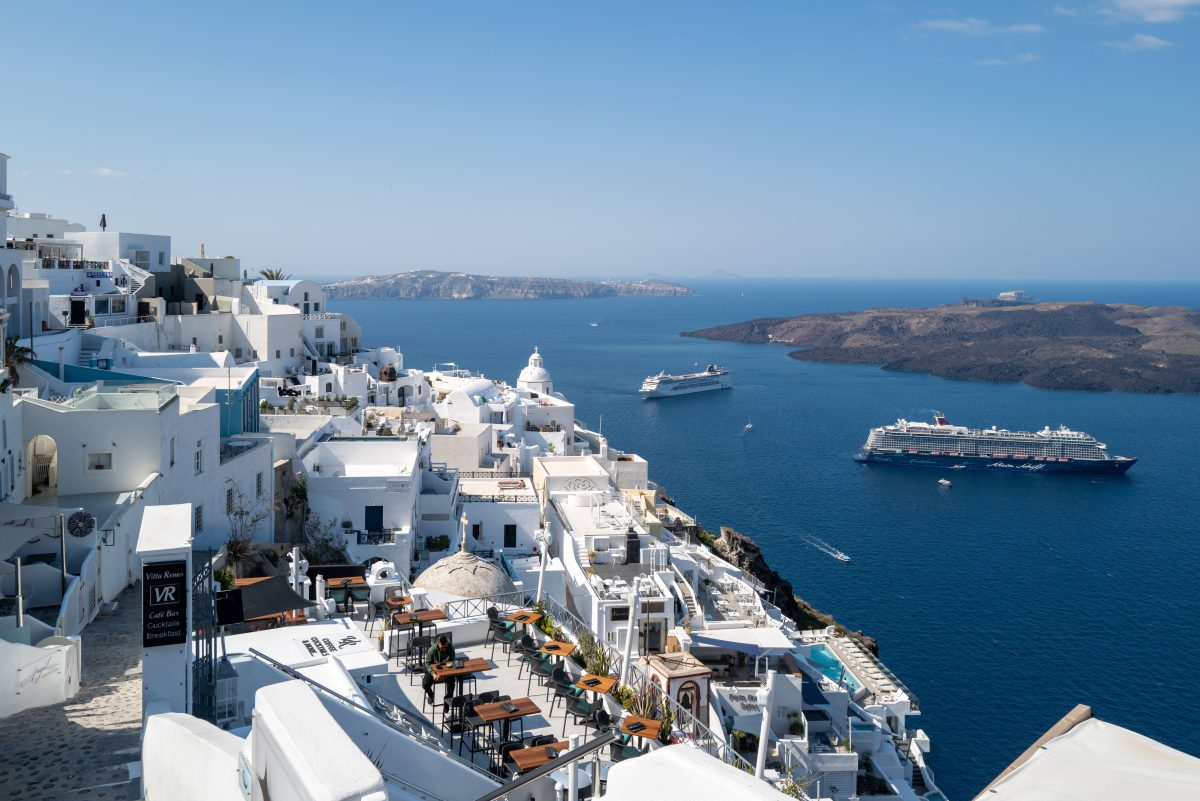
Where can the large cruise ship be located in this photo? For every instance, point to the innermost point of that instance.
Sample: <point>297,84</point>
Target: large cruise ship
<point>940,444</point>
<point>666,385</point>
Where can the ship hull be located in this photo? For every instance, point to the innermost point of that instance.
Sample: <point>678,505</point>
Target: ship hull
<point>1108,467</point>
<point>674,392</point>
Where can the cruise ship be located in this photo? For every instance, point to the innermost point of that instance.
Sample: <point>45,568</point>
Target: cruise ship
<point>665,385</point>
<point>940,444</point>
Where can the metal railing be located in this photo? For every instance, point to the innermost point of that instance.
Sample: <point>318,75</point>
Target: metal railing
<point>914,702</point>
<point>463,498</point>
<point>525,779</point>
<point>477,607</point>
<point>383,710</point>
<point>697,734</point>
<point>493,474</point>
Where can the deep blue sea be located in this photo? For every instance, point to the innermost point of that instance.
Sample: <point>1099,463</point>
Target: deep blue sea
<point>1001,602</point>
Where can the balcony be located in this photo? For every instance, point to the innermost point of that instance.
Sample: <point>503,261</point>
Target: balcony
<point>233,448</point>
<point>376,537</point>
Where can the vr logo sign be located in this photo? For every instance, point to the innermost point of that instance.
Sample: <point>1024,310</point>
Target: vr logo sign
<point>164,603</point>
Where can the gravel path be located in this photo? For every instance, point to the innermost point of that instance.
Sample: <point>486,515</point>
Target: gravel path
<point>80,750</point>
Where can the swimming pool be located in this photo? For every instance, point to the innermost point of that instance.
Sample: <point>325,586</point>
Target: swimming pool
<point>829,666</point>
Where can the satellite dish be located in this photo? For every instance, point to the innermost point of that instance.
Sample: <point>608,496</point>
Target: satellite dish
<point>81,524</point>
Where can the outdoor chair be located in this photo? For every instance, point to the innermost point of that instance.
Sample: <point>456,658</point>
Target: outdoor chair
<point>452,715</point>
<point>529,652</point>
<point>541,666</point>
<point>578,709</point>
<point>471,725</point>
<point>601,720</point>
<point>414,658</point>
<point>543,739</point>
<point>503,764</point>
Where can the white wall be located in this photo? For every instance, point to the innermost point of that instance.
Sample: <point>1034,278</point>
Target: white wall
<point>33,676</point>
<point>186,758</point>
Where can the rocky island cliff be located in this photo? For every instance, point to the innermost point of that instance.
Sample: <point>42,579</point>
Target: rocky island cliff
<point>1072,346</point>
<point>433,285</point>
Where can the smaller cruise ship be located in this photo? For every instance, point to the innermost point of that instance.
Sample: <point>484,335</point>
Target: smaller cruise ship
<point>666,385</point>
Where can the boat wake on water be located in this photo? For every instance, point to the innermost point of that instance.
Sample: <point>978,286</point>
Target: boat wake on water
<point>824,547</point>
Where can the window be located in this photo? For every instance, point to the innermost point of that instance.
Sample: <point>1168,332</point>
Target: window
<point>229,500</point>
<point>171,454</point>
<point>320,332</point>
<point>220,339</point>
<point>477,530</point>
<point>291,351</point>
<point>142,259</point>
<point>197,519</point>
<point>620,613</point>
<point>161,258</point>
<point>101,306</point>
<point>237,353</point>
<point>117,305</point>
<point>194,341</point>
<point>199,457</point>
<point>99,461</point>
<point>306,296</point>
<point>276,353</point>
<point>258,485</point>
<point>97,282</point>
<point>510,535</point>
<point>328,386</point>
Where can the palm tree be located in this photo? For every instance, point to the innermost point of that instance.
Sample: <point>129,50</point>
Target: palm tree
<point>15,354</point>
<point>273,274</point>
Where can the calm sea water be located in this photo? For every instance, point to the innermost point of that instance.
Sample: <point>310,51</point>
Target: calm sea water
<point>1001,602</point>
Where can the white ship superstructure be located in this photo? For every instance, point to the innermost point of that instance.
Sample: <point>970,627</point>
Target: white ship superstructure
<point>665,385</point>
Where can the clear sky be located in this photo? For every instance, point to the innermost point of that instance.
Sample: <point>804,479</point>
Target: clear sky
<point>824,138</point>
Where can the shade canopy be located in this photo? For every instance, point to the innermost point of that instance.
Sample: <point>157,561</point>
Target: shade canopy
<point>684,772</point>
<point>755,642</point>
<point>1100,761</point>
<point>272,596</point>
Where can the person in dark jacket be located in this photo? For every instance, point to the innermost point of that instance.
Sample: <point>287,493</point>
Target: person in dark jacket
<point>439,653</point>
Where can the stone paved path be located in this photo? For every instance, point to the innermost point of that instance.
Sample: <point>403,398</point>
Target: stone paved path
<point>80,750</point>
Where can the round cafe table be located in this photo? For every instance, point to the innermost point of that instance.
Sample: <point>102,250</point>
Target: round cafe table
<point>398,601</point>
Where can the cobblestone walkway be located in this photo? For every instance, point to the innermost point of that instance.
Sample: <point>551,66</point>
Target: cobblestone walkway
<point>80,750</point>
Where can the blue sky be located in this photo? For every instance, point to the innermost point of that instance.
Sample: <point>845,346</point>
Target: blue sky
<point>1013,139</point>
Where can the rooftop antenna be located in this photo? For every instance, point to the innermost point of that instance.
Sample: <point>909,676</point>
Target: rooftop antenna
<point>103,222</point>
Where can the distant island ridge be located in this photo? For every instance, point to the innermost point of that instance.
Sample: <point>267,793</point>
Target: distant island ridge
<point>434,285</point>
<point>1069,346</point>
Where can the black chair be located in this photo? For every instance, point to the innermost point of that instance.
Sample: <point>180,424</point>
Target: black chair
<point>452,715</point>
<point>414,657</point>
<point>543,739</point>
<point>347,596</point>
<point>471,726</point>
<point>564,688</point>
<point>543,668</point>
<point>505,636</point>
<point>619,751</point>
<point>489,697</point>
<point>494,623</point>
<point>529,652</point>
<point>601,720</point>
<point>579,709</point>
<point>502,764</point>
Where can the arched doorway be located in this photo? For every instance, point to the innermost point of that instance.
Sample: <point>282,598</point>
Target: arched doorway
<point>43,465</point>
<point>689,697</point>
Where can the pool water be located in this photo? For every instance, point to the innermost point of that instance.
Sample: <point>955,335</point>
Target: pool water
<point>831,667</point>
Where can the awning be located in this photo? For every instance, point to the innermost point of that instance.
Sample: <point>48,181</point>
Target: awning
<point>755,642</point>
<point>272,596</point>
<point>684,773</point>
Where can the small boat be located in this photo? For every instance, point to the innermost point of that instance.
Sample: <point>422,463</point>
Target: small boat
<point>594,325</point>
<point>838,555</point>
<point>945,482</point>
<point>749,425</point>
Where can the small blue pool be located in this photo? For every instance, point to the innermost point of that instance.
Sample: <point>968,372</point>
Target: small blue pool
<point>831,667</point>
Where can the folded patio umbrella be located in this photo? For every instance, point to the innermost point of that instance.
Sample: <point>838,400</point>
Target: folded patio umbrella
<point>271,596</point>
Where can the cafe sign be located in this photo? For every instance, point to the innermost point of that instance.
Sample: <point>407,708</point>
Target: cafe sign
<point>164,603</point>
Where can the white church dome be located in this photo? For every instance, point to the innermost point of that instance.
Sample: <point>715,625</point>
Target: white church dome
<point>535,372</point>
<point>465,575</point>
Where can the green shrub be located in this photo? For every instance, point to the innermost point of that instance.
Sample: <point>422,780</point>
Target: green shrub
<point>224,577</point>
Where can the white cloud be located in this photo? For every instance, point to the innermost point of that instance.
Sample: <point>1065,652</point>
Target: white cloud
<point>1019,58</point>
<point>64,171</point>
<point>978,27</point>
<point>1139,41</point>
<point>105,172</point>
<point>1065,11</point>
<point>1152,10</point>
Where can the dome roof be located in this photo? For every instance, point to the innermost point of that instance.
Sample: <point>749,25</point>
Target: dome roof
<point>536,371</point>
<point>466,575</point>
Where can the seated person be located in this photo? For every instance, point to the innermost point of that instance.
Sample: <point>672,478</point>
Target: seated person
<point>439,653</point>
